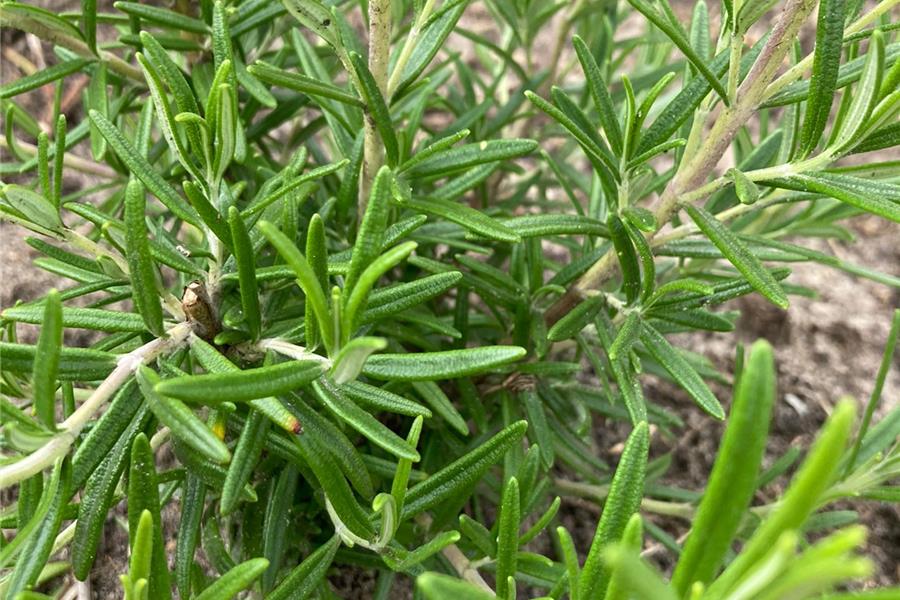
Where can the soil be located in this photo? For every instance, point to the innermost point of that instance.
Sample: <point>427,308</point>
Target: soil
<point>827,346</point>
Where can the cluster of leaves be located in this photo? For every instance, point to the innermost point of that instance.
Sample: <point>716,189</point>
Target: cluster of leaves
<point>361,302</point>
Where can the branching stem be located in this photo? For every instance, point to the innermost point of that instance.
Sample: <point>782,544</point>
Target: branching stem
<point>694,170</point>
<point>69,429</point>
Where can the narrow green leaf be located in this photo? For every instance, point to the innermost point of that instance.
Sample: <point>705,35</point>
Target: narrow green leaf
<point>318,18</point>
<point>236,580</point>
<point>602,160</point>
<point>528,226</point>
<point>306,279</point>
<point>180,419</point>
<point>883,369</point>
<point>46,364</point>
<point>143,497</point>
<point>849,73</point>
<point>141,168</point>
<point>28,524</point>
<point>599,92</point>
<point>273,408</point>
<point>96,319</point>
<point>162,16</point>
<point>376,108</point>
<point>246,453</point>
<point>106,431</point>
<point>42,77</point>
<point>352,357</point>
<point>243,385</point>
<point>382,399</point>
<point>43,156</point>
<point>628,262</point>
<point>733,479</point>
<point>576,319</point>
<point>540,432</point>
<point>676,34</point>
<point>356,301</point>
<point>682,107</point>
<point>437,586</point>
<point>882,199</point>
<point>317,256</point>
<point>473,220</point>
<point>462,472</point>
<point>363,422</point>
<point>632,541</point>
<point>432,37</point>
<point>208,213</point>
<point>398,298</point>
<point>625,493</point>
<point>279,505</point>
<point>425,551</point>
<point>345,511</point>
<point>448,364</point>
<point>433,149</point>
<point>826,62</point>
<point>139,562</point>
<point>246,264</point>
<point>681,371</point>
<point>626,336</point>
<point>89,23</point>
<point>305,578</point>
<point>140,264</point>
<point>404,467</point>
<point>587,131</point>
<point>461,158</point>
<point>227,146</point>
<point>97,498</point>
<point>165,118</point>
<point>865,97</point>
<point>570,560</point>
<point>31,206</point>
<point>192,504</point>
<point>37,549</point>
<point>441,405</point>
<point>738,254</point>
<point>172,75</point>
<point>508,536</point>
<point>59,151</point>
<point>478,535</point>
<point>371,229</point>
<point>635,577</point>
<point>648,262</point>
<point>301,83</point>
<point>881,138</point>
<point>801,498</point>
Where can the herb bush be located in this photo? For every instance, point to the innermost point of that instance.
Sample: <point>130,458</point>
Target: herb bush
<point>376,325</point>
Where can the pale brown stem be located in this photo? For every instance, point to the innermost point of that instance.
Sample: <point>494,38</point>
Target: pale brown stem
<point>694,172</point>
<point>379,55</point>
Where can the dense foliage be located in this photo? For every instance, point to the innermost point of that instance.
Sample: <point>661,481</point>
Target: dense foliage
<point>363,283</point>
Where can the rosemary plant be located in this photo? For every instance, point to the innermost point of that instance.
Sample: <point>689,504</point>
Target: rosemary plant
<point>362,283</point>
